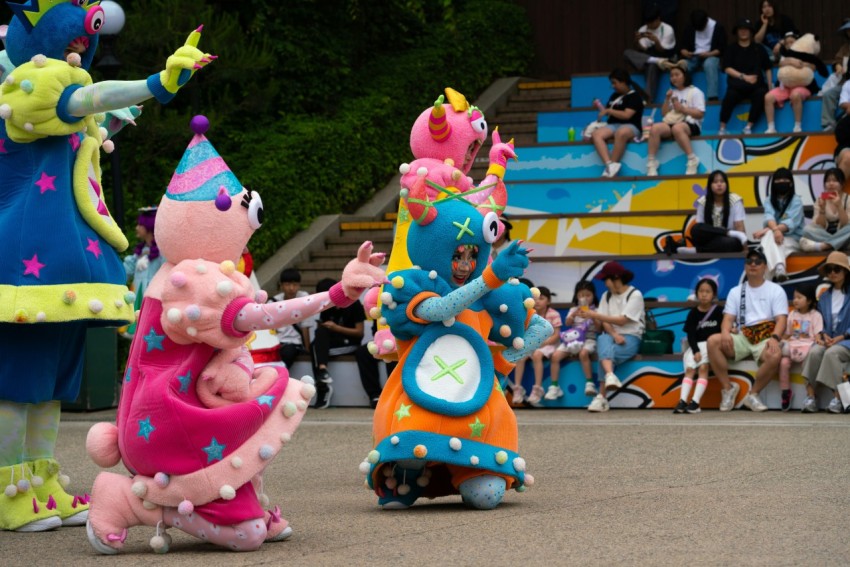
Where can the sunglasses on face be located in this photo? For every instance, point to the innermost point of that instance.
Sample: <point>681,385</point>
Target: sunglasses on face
<point>833,269</point>
<point>754,261</point>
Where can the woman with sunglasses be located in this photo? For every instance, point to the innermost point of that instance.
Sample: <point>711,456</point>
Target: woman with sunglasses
<point>783,223</point>
<point>831,351</point>
<point>830,226</point>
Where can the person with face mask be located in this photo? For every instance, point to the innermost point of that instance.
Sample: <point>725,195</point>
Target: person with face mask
<point>782,225</point>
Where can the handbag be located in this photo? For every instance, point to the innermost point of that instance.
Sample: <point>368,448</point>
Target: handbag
<point>591,128</point>
<point>753,333</point>
<point>674,116</point>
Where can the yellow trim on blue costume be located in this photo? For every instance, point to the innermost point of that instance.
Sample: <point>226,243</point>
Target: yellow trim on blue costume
<point>66,302</point>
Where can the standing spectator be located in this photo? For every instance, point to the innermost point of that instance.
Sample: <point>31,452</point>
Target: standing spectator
<point>339,331</point>
<point>746,64</point>
<point>702,47</point>
<point>542,307</point>
<point>623,111</point>
<point>683,111</point>
<point>832,88</point>
<point>578,340</point>
<point>772,28</point>
<point>655,42</point>
<point>143,264</point>
<point>827,359</point>
<point>622,315</point>
<point>842,132</point>
<point>782,225</point>
<point>720,218</point>
<point>294,339</point>
<point>830,226</point>
<point>760,310</point>
<point>805,325</point>
<point>795,64</point>
<point>703,320</point>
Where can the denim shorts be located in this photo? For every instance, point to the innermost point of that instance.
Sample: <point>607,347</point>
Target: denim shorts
<point>632,127</point>
<point>607,349</point>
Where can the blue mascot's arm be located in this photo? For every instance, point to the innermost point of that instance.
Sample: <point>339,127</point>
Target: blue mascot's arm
<point>453,304</point>
<point>106,96</point>
<point>539,329</point>
<point>394,310</point>
<point>509,305</point>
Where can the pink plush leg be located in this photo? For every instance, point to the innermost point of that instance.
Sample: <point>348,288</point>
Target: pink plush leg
<point>244,536</point>
<point>114,508</point>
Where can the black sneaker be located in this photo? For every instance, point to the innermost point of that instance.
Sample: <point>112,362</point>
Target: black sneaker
<point>787,396</point>
<point>323,398</point>
<point>693,407</point>
<point>323,376</point>
<point>681,407</point>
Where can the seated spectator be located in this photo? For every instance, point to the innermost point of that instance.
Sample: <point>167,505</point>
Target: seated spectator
<point>828,358</point>
<point>746,64</point>
<point>703,44</point>
<point>542,307</point>
<point>623,113</point>
<point>830,226</point>
<point>339,331</point>
<point>842,132</point>
<point>683,111</point>
<point>703,320</point>
<point>782,225</point>
<point>831,91</point>
<point>772,28</point>
<point>759,308</point>
<point>805,327</point>
<point>796,77</point>
<point>720,218</point>
<point>578,340</point>
<point>655,42</point>
<point>623,318</point>
<point>294,339</point>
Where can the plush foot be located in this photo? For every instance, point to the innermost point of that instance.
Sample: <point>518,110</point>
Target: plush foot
<point>20,508</point>
<point>277,528</point>
<point>49,484</point>
<point>483,492</point>
<point>402,488</point>
<point>244,536</point>
<point>115,509</point>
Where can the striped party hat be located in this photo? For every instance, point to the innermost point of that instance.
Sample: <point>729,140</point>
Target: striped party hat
<point>202,174</point>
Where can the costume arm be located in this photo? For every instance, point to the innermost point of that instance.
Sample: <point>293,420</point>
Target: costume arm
<point>105,96</point>
<point>539,329</point>
<point>452,304</point>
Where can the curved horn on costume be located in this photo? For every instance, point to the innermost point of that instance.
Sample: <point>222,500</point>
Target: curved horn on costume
<point>457,100</point>
<point>495,201</point>
<point>438,124</point>
<point>422,209</point>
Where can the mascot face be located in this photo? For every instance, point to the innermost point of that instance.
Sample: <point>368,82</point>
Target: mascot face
<point>54,28</point>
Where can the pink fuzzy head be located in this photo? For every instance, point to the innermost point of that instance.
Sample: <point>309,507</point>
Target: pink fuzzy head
<point>454,130</point>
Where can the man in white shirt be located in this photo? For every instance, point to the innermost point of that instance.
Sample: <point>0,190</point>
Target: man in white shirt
<point>655,42</point>
<point>702,46</point>
<point>759,308</point>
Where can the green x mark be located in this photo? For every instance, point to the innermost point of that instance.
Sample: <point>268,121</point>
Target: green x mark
<point>446,369</point>
<point>463,228</point>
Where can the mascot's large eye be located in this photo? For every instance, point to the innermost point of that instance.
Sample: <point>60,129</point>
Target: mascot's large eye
<point>94,20</point>
<point>479,125</point>
<point>490,229</point>
<point>255,211</point>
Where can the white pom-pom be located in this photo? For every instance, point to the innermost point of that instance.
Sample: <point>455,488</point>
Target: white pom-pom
<point>473,460</point>
<point>391,483</point>
<point>513,281</point>
<point>23,485</point>
<point>38,481</point>
<point>449,322</point>
<point>422,171</point>
<point>5,111</point>
<point>404,168</point>
<point>373,456</point>
<point>386,298</point>
<point>41,316</point>
<point>394,440</point>
<point>528,303</point>
<point>10,80</point>
<point>503,308</point>
<point>375,312</point>
<point>139,489</point>
<point>285,437</point>
<point>505,331</point>
<point>455,444</point>
<point>289,409</point>
<point>529,480</point>
<point>308,380</point>
<point>423,481</point>
<point>365,467</point>
<point>227,492</point>
<point>39,60</point>
<point>535,293</point>
<point>224,288</point>
<point>148,505</point>
<point>158,544</point>
<point>11,491</point>
<point>308,391</point>
<point>104,133</point>
<point>108,146</point>
<point>518,343</point>
<point>301,405</point>
<point>519,464</point>
<point>29,127</point>
<point>404,489</point>
<point>266,452</point>
<point>372,348</point>
<point>236,462</point>
<point>191,331</point>
<point>387,344</point>
<point>95,306</point>
<point>74,60</point>
<point>174,315</point>
<point>382,322</point>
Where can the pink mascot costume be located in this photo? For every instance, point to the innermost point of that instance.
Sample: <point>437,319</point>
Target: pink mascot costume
<point>197,424</point>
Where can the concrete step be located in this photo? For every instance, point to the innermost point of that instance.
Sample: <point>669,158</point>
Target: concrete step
<point>382,240</point>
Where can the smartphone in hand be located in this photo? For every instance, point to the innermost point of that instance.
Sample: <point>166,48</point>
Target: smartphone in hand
<point>828,195</point>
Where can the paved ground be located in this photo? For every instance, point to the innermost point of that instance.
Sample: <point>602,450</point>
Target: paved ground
<point>629,487</point>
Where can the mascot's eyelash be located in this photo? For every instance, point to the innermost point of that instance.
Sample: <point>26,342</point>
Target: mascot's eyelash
<point>246,200</point>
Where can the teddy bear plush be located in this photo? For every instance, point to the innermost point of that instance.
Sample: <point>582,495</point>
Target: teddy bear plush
<point>802,59</point>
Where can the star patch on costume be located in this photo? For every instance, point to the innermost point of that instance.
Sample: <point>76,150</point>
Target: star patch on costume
<point>185,380</point>
<point>46,182</point>
<point>94,247</point>
<point>265,400</point>
<point>33,266</point>
<point>154,341</point>
<point>403,411</point>
<point>477,428</point>
<point>214,451</point>
<point>127,373</point>
<point>145,428</point>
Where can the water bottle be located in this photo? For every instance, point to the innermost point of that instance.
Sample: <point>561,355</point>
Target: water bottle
<point>598,104</point>
<point>571,134</point>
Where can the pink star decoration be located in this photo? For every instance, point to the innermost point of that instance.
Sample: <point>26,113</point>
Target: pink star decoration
<point>94,247</point>
<point>33,266</point>
<point>46,182</point>
<point>2,146</point>
<point>74,140</point>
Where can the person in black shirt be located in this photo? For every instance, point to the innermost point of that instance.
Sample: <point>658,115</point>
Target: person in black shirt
<point>773,27</point>
<point>624,112</point>
<point>703,321</point>
<point>703,44</point>
<point>339,331</point>
<point>746,65</point>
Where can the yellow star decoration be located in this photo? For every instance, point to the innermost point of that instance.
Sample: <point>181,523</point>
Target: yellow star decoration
<point>477,428</point>
<point>403,411</point>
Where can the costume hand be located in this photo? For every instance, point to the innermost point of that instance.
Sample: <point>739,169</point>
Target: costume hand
<point>384,342</point>
<point>511,262</point>
<point>181,66</point>
<point>499,154</point>
<point>363,272</point>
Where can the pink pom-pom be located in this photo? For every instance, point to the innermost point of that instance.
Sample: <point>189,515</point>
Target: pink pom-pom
<point>161,479</point>
<point>185,508</point>
<point>108,146</point>
<point>74,60</point>
<point>102,445</point>
<point>178,279</point>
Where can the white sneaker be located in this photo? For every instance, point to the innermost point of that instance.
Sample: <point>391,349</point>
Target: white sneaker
<point>553,392</point>
<point>809,245</point>
<point>753,402</point>
<point>651,167</point>
<point>810,405</point>
<point>612,169</point>
<point>797,127</point>
<point>612,382</point>
<point>590,388</point>
<point>519,395</point>
<point>739,235</point>
<point>728,397</point>
<point>779,273</point>
<point>835,406</point>
<point>721,131</point>
<point>770,130</point>
<point>686,250</point>
<point>747,129</point>
<point>599,404</point>
<point>693,165</point>
<point>535,396</point>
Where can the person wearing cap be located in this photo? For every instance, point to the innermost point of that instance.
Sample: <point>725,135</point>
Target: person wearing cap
<point>827,358</point>
<point>702,46</point>
<point>831,91</point>
<point>830,226</point>
<point>622,315</point>
<point>141,266</point>
<point>773,27</point>
<point>782,225</point>
<point>754,321</point>
<point>745,64</point>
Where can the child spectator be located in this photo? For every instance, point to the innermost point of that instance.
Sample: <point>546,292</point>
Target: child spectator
<point>783,224</point>
<point>720,218</point>
<point>142,265</point>
<point>702,46</point>
<point>579,339</point>
<point>805,324</point>
<point>294,339</point>
<point>621,313</point>
<point>542,306</point>
<point>623,111</point>
<point>703,321</point>
<point>746,64</point>
<point>830,226</point>
<point>790,63</point>
<point>683,111</point>
<point>655,42</point>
